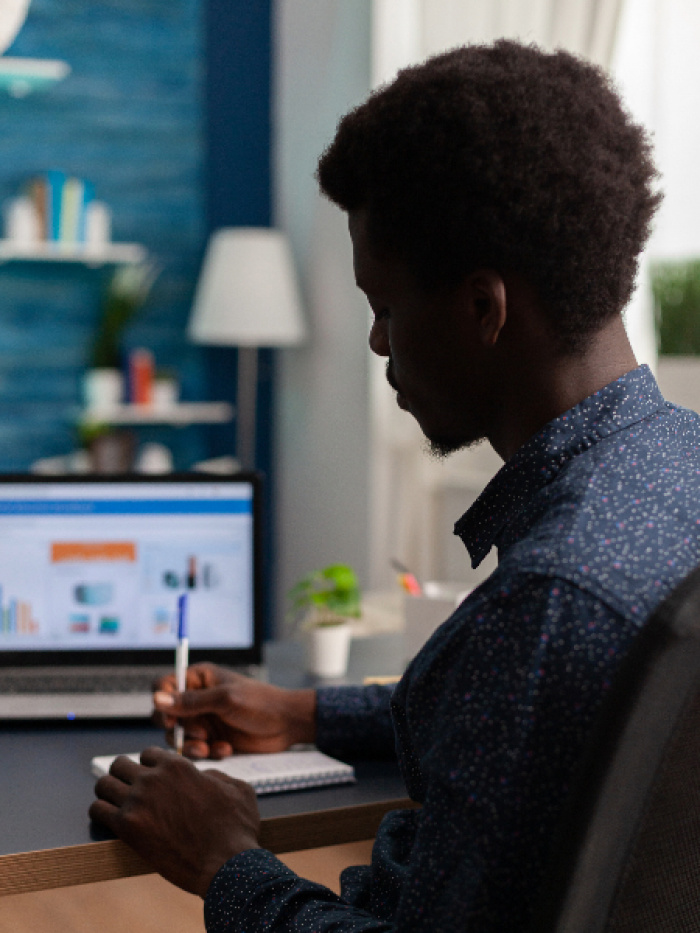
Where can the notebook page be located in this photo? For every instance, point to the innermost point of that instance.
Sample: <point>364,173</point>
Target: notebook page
<point>268,773</point>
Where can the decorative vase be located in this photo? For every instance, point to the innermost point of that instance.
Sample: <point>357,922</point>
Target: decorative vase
<point>112,452</point>
<point>328,649</point>
<point>165,392</point>
<point>103,387</point>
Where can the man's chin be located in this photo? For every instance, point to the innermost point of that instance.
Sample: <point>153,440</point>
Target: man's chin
<point>439,448</point>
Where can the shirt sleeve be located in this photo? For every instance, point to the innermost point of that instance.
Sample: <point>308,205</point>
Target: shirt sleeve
<point>255,891</point>
<point>355,722</point>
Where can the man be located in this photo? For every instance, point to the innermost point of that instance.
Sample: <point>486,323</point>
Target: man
<point>498,198</point>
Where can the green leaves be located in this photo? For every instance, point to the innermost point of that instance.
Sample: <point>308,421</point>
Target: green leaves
<point>326,595</point>
<point>676,287</point>
<point>125,294</point>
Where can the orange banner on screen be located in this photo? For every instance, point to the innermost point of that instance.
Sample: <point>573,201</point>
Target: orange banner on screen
<point>93,550</point>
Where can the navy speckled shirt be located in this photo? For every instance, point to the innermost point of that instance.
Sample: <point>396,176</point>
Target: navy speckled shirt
<point>595,518</point>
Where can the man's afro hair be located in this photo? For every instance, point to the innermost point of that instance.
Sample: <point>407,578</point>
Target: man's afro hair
<point>504,157</point>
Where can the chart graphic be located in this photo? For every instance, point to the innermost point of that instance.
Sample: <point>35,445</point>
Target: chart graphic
<point>109,625</point>
<point>79,624</point>
<point>17,617</point>
<point>99,566</point>
<point>162,621</point>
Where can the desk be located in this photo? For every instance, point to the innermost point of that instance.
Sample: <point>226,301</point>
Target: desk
<point>47,841</point>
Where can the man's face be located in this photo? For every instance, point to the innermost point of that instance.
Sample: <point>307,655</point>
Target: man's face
<point>434,359</point>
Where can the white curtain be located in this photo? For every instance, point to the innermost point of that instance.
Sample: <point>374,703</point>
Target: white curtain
<point>406,31</point>
<point>409,491</point>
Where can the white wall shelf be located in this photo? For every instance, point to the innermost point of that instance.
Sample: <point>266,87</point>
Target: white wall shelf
<point>178,415</point>
<point>50,251</point>
<point>21,76</point>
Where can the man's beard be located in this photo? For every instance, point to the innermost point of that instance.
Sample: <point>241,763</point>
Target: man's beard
<point>441,448</point>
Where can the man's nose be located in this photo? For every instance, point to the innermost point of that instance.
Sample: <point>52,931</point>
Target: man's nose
<point>379,338</point>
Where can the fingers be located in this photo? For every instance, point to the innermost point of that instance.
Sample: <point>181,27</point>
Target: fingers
<point>199,676</point>
<point>199,733</point>
<point>101,811</point>
<point>196,749</point>
<point>162,701</point>
<point>163,688</point>
<point>217,699</point>
<point>167,683</point>
<point>220,749</point>
<point>124,769</point>
<point>150,757</point>
<point>204,746</point>
<point>200,742</point>
<point>113,789</point>
<point>123,773</point>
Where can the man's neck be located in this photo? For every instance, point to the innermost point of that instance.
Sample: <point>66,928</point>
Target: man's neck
<point>550,383</point>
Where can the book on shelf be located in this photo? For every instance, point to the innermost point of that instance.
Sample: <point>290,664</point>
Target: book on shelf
<point>71,211</point>
<point>54,196</point>
<point>63,205</point>
<point>37,194</point>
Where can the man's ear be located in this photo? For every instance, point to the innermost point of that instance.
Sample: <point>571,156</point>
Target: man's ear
<point>489,300</point>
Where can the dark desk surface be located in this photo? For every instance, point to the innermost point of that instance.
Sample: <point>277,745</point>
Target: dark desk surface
<point>46,839</point>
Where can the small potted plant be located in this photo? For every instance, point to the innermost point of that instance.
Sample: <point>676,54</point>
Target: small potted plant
<point>125,294</point>
<point>325,601</point>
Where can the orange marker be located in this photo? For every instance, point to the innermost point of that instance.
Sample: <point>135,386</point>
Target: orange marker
<point>407,580</point>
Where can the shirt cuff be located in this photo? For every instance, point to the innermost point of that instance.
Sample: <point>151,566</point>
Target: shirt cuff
<point>355,721</point>
<point>237,883</point>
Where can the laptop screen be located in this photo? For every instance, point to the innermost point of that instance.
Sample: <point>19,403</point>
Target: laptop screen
<point>91,569</point>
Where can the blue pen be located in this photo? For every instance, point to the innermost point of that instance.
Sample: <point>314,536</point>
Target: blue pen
<point>181,658</point>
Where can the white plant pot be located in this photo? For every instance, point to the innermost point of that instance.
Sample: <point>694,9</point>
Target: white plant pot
<point>165,392</point>
<point>103,387</point>
<point>328,649</point>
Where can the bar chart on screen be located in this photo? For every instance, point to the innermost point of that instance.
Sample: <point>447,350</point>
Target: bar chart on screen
<point>16,617</point>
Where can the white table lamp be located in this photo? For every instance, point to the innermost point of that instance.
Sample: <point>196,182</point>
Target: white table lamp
<point>247,296</point>
<point>12,16</point>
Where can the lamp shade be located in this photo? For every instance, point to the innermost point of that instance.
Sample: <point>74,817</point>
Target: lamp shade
<point>247,292</point>
<point>12,16</point>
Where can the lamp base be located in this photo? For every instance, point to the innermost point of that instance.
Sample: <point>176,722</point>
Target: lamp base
<point>246,403</point>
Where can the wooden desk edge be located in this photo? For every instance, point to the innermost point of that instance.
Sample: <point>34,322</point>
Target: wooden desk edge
<point>24,872</point>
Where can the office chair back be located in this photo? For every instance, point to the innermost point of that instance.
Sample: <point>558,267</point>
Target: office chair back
<point>627,855</point>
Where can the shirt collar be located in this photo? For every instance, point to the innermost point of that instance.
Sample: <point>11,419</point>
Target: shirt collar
<point>623,402</point>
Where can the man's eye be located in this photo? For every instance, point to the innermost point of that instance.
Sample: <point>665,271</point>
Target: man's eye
<point>380,314</point>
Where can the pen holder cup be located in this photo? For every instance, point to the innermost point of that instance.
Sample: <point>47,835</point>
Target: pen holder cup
<point>423,614</point>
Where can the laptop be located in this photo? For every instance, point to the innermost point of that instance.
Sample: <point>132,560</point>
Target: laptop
<point>91,571</point>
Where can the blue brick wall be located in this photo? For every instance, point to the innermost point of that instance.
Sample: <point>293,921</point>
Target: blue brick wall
<point>130,118</point>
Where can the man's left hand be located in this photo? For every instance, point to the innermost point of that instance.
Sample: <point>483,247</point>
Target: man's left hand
<point>186,823</point>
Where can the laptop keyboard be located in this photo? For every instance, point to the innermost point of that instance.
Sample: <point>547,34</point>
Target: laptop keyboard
<point>39,681</point>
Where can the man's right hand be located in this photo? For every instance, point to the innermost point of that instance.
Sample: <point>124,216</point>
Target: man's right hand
<point>223,713</point>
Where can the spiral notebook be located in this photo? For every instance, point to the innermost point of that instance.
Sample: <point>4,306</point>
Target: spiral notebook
<point>270,773</point>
